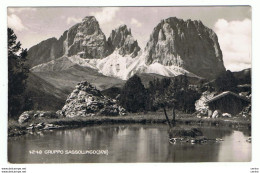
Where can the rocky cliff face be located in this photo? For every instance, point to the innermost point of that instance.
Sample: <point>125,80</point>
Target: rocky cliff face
<point>87,40</point>
<point>121,38</point>
<point>186,44</point>
<point>46,51</point>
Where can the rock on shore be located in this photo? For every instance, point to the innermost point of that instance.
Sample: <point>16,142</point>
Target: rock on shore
<point>29,116</point>
<point>85,100</point>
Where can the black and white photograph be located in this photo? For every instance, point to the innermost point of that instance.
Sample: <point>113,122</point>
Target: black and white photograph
<point>129,84</point>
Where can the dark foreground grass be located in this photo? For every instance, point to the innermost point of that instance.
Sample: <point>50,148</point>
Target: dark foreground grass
<point>14,128</point>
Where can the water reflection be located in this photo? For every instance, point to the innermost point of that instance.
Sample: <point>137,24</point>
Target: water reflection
<point>235,149</point>
<point>129,143</point>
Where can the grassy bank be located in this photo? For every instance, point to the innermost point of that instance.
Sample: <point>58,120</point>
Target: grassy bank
<point>15,129</point>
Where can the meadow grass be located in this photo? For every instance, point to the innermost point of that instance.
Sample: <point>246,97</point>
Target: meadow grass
<point>14,128</point>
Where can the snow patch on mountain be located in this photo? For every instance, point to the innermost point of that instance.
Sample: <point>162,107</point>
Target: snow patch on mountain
<point>166,70</point>
<point>115,65</point>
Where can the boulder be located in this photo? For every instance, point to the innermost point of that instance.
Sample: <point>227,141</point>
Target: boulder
<point>226,115</point>
<point>24,117</point>
<point>29,116</point>
<point>42,126</point>
<point>60,114</point>
<point>216,114</point>
<point>201,106</point>
<point>86,100</point>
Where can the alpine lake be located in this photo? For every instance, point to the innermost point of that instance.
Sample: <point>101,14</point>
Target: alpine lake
<point>113,143</point>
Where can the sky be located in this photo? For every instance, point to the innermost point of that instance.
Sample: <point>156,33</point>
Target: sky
<point>232,25</point>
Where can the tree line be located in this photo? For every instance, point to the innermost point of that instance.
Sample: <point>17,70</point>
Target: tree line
<point>176,92</point>
<point>165,93</point>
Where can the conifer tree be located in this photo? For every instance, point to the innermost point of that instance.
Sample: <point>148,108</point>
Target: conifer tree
<point>17,74</point>
<point>133,95</point>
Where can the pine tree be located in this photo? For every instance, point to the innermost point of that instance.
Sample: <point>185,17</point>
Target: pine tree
<point>133,95</point>
<point>150,95</point>
<point>17,74</point>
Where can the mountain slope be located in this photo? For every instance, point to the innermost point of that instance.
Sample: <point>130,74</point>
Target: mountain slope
<point>67,79</point>
<point>50,89</point>
<point>45,51</point>
<point>44,95</point>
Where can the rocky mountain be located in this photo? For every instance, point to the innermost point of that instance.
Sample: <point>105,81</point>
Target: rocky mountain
<point>45,51</point>
<point>84,39</point>
<point>175,47</point>
<point>87,40</point>
<point>185,44</point>
<point>122,39</point>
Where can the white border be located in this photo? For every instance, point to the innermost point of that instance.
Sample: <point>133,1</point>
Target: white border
<point>151,167</point>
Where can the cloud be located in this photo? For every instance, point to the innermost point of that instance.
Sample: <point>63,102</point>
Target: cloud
<point>71,20</point>
<point>235,42</point>
<point>106,15</point>
<point>136,23</point>
<point>19,10</point>
<point>15,23</point>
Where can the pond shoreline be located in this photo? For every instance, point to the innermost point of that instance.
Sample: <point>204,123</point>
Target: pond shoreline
<point>121,140</point>
<point>15,129</point>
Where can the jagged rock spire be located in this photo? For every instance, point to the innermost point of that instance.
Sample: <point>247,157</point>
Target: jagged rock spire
<point>121,38</point>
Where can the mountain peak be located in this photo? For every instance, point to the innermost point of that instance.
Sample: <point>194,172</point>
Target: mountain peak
<point>88,18</point>
<point>121,38</point>
<point>87,40</point>
<point>123,28</point>
<point>185,44</point>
